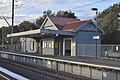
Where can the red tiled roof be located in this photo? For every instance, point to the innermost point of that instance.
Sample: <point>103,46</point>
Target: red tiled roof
<point>74,25</point>
<point>60,22</point>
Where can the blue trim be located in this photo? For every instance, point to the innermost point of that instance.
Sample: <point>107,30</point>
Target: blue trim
<point>59,32</point>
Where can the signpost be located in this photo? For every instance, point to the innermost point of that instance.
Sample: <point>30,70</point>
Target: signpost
<point>12,22</point>
<point>96,37</point>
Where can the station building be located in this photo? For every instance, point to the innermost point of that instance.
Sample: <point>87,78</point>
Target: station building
<point>61,36</point>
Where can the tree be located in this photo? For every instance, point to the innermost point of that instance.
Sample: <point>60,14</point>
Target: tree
<point>39,21</point>
<point>109,22</point>
<point>4,32</point>
<point>26,25</point>
<point>48,13</point>
<point>68,14</point>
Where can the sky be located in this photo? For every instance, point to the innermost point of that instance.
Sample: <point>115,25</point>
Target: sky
<point>29,10</point>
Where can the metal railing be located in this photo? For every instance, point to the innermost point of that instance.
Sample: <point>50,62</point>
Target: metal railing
<point>110,50</point>
<point>103,50</point>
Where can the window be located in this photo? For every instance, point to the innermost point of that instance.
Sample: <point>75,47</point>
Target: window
<point>32,45</point>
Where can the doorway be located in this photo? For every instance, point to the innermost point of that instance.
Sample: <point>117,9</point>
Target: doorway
<point>67,47</point>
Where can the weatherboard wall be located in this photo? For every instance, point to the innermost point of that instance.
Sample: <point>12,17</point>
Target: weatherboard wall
<point>84,36</point>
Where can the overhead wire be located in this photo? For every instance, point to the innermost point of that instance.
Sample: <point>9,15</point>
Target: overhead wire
<point>70,5</point>
<point>25,3</point>
<point>19,6</point>
<point>76,9</point>
<point>30,7</point>
<point>49,2</point>
<point>34,7</point>
<point>88,4</point>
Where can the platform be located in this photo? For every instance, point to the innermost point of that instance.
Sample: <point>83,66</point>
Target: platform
<point>100,68</point>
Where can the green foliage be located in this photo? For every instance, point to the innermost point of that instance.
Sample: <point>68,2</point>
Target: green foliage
<point>39,21</point>
<point>111,38</point>
<point>68,14</point>
<point>110,23</point>
<point>48,13</point>
<point>26,25</point>
<point>4,31</point>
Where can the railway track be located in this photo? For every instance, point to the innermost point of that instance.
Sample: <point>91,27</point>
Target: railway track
<point>38,73</point>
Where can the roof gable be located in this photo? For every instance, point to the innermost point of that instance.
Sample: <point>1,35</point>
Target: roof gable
<point>48,24</point>
<point>89,26</point>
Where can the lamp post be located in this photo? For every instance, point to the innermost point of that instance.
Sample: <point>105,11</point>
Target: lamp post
<point>12,22</point>
<point>97,37</point>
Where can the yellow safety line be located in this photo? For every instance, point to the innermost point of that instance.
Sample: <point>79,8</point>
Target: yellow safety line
<point>4,77</point>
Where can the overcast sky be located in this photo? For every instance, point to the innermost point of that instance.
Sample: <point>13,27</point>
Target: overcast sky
<point>31,9</point>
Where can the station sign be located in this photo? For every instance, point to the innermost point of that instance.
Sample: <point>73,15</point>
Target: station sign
<point>96,37</point>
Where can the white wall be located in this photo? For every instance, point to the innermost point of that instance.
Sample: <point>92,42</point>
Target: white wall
<point>48,46</point>
<point>26,45</point>
<point>29,45</point>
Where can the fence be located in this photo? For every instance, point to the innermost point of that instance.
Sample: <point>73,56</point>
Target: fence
<point>102,50</point>
<point>110,50</point>
<point>11,48</point>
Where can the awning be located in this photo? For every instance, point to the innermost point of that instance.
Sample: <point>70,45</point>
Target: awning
<point>59,32</point>
<point>41,33</point>
<point>25,33</point>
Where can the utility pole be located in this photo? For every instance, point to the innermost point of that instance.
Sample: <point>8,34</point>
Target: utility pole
<point>12,22</point>
<point>97,37</point>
